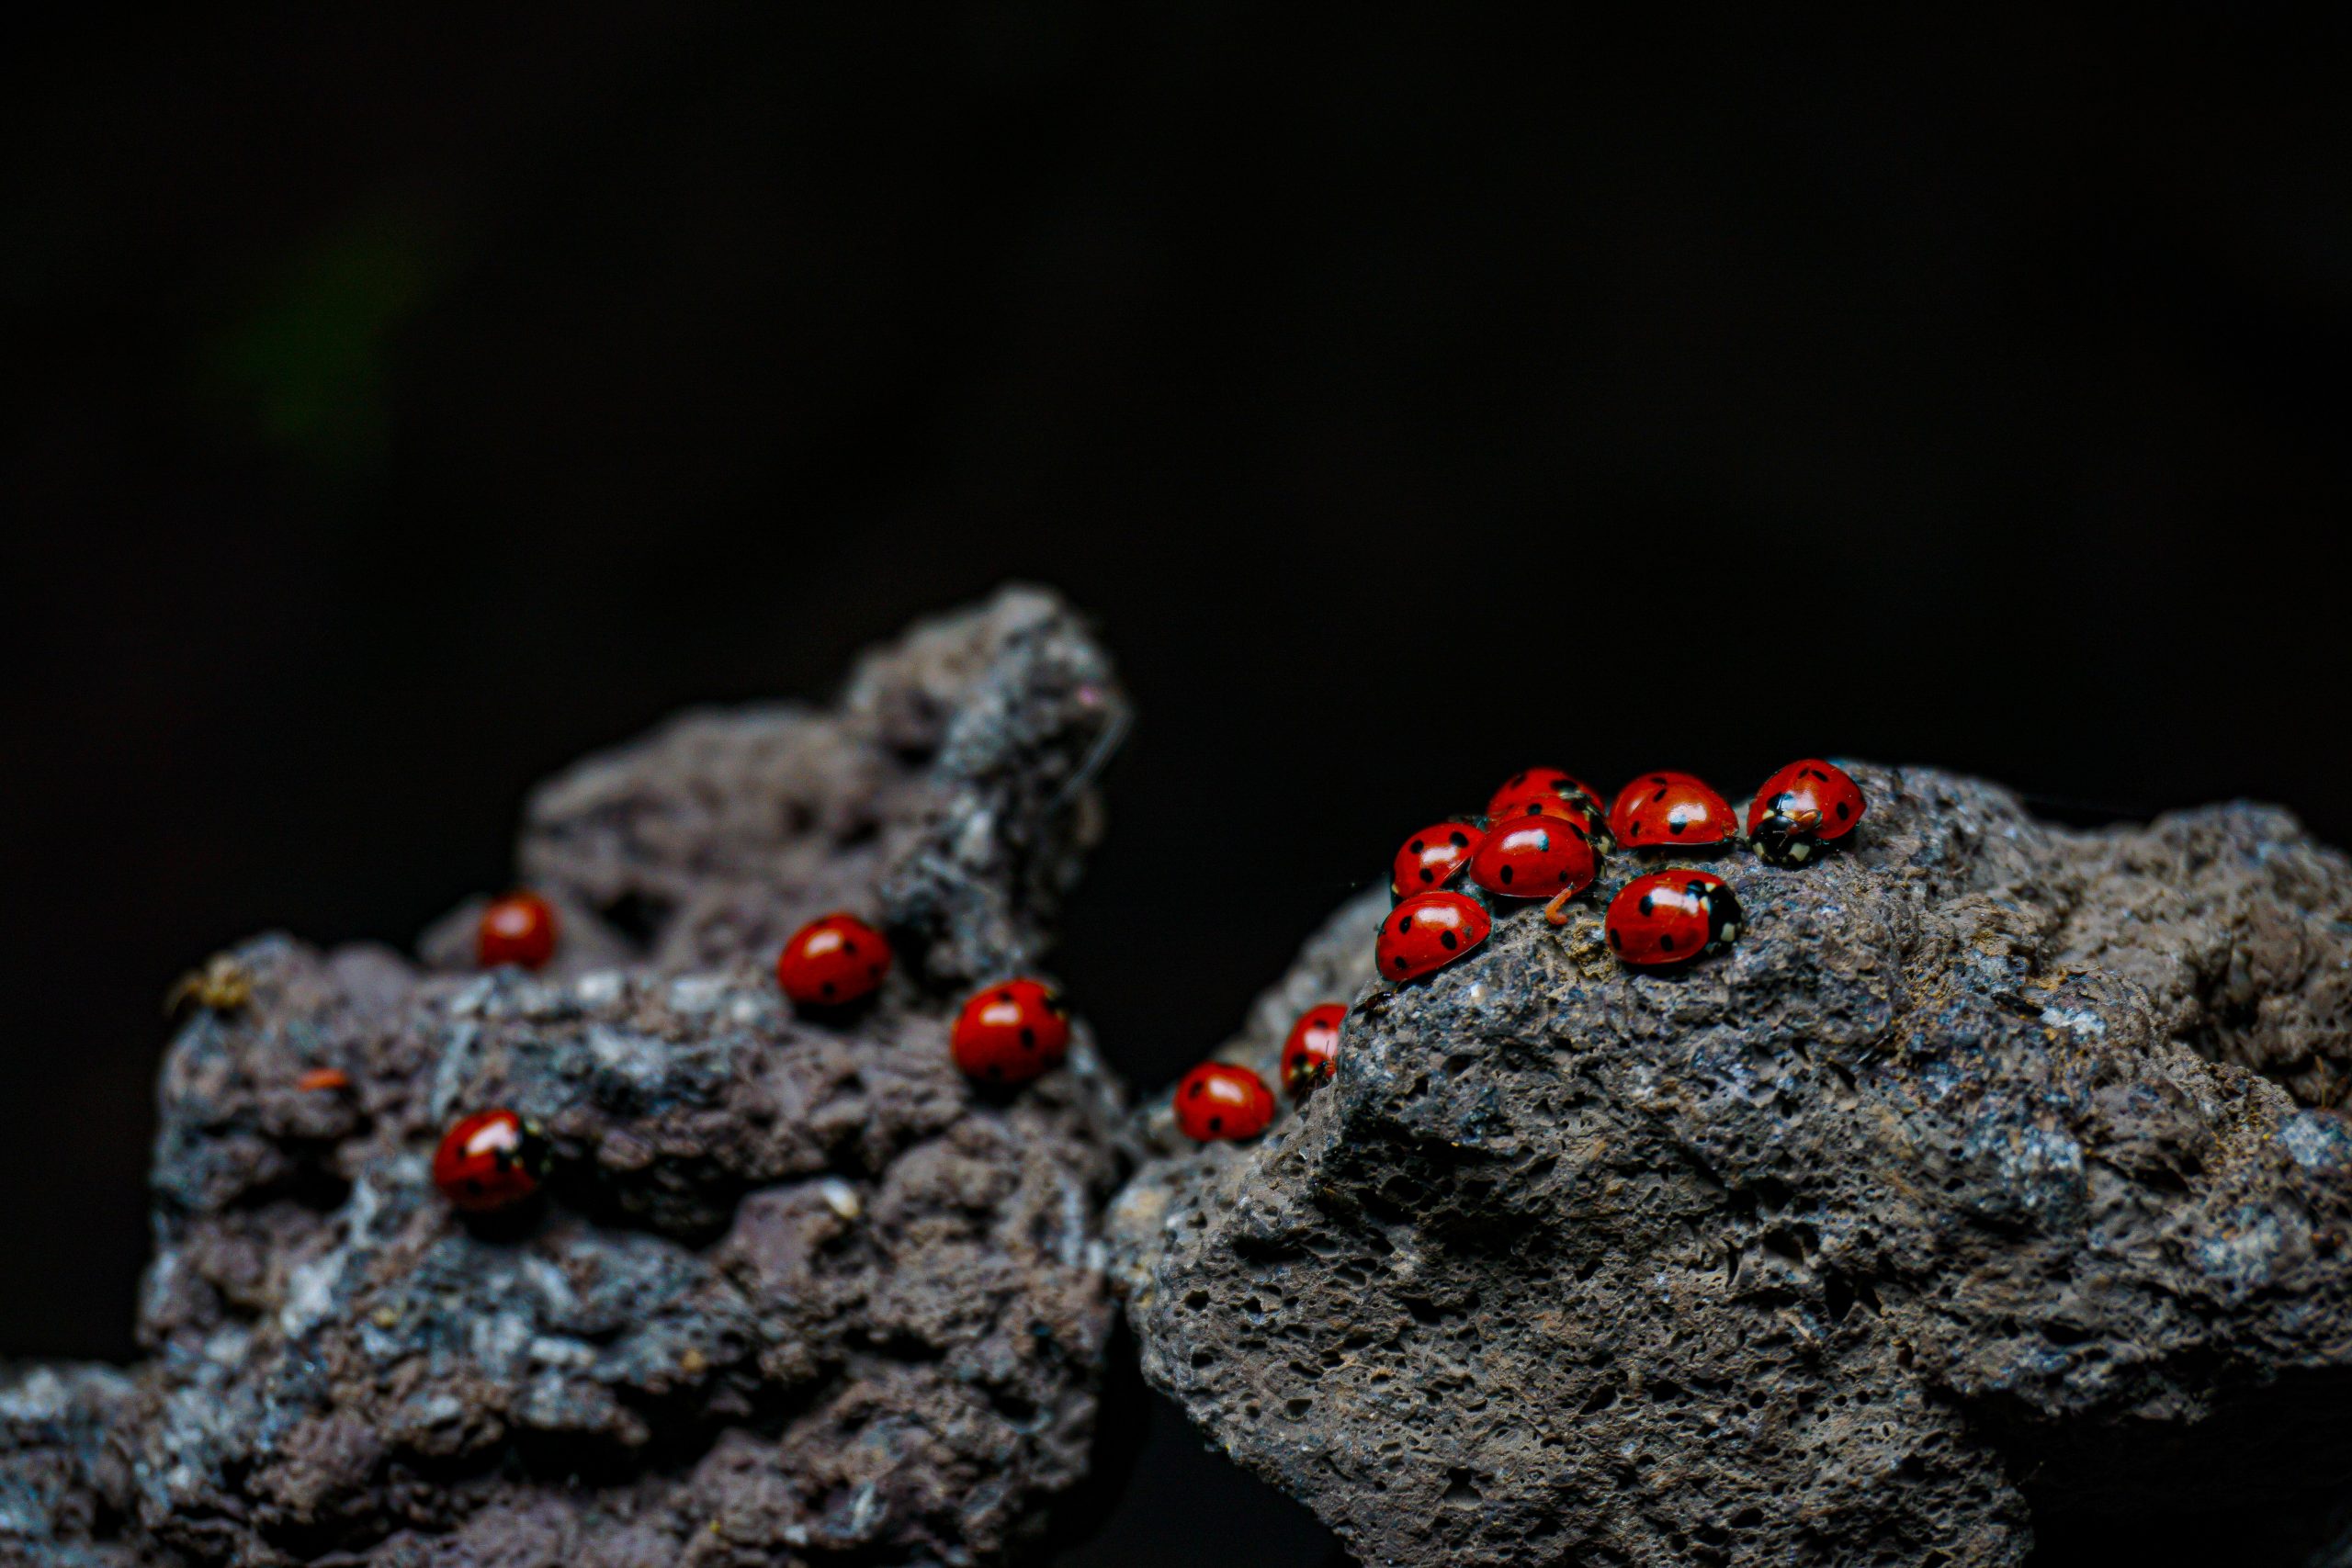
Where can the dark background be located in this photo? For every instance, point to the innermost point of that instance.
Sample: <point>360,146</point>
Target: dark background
<point>394,405</point>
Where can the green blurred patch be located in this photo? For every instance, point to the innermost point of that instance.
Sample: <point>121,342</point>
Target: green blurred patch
<point>306,367</point>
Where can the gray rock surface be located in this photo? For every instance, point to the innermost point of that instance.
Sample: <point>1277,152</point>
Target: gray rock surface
<point>949,793</point>
<point>1995,1177</point>
<point>63,1488</point>
<point>797,1292</point>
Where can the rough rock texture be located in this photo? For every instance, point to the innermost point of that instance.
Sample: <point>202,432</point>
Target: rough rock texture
<point>798,1294</point>
<point>1994,1176</point>
<point>948,792</point>
<point>63,1489</point>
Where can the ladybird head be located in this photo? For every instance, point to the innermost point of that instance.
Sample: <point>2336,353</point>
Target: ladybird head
<point>1801,809</point>
<point>1724,918</point>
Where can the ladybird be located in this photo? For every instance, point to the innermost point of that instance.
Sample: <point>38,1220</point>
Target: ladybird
<point>492,1159</point>
<point>1550,806</point>
<point>1536,857</point>
<point>1678,810</point>
<point>517,929</point>
<point>1011,1031</point>
<point>832,961</point>
<point>1551,793</point>
<point>1805,804</point>
<point>1219,1099</point>
<point>1428,931</point>
<point>1311,1054</point>
<point>1543,781</point>
<point>1670,915</point>
<point>1432,857</point>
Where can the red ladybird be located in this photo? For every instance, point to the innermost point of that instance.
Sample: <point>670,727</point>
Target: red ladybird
<point>833,960</point>
<point>1433,856</point>
<point>1543,781</point>
<point>1803,806</point>
<point>1311,1054</point>
<point>1550,792</point>
<point>1011,1031</point>
<point>492,1159</point>
<point>1670,915</point>
<point>1218,1099</point>
<point>517,929</point>
<point>1428,931</point>
<point>1678,810</point>
<point>1536,857</point>
<point>1550,806</point>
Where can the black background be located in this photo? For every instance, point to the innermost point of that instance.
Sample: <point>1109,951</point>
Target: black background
<point>397,404</point>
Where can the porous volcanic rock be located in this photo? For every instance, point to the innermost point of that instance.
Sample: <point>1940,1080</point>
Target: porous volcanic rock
<point>948,793</point>
<point>64,1490</point>
<point>1994,1174</point>
<point>797,1292</point>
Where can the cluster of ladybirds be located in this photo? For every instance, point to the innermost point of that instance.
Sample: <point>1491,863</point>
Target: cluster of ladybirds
<point>1004,1036</point>
<point>1543,836</point>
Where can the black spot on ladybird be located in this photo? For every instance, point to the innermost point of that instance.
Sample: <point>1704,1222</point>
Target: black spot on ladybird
<point>1458,841</point>
<point>1400,964</point>
<point>1665,941</point>
<point>1647,904</point>
<point>1428,875</point>
<point>1447,937</point>
<point>849,945</point>
<point>827,987</point>
<point>1675,824</point>
<point>1415,846</point>
<point>1217,1123</point>
<point>1004,996</point>
<point>1658,796</point>
<point>1403,924</point>
<point>1844,811</point>
<point>1615,940</point>
<point>1506,874</point>
<point>1194,1093</point>
<point>1028,1038</point>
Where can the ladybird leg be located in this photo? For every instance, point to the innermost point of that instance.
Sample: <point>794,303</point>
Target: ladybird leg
<point>1556,911</point>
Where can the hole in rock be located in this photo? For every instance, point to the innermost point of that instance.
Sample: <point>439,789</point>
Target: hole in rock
<point>637,916</point>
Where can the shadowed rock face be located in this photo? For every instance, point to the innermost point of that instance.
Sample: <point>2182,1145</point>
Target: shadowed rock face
<point>797,1292</point>
<point>1992,1175</point>
<point>63,1488</point>
<point>948,793</point>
